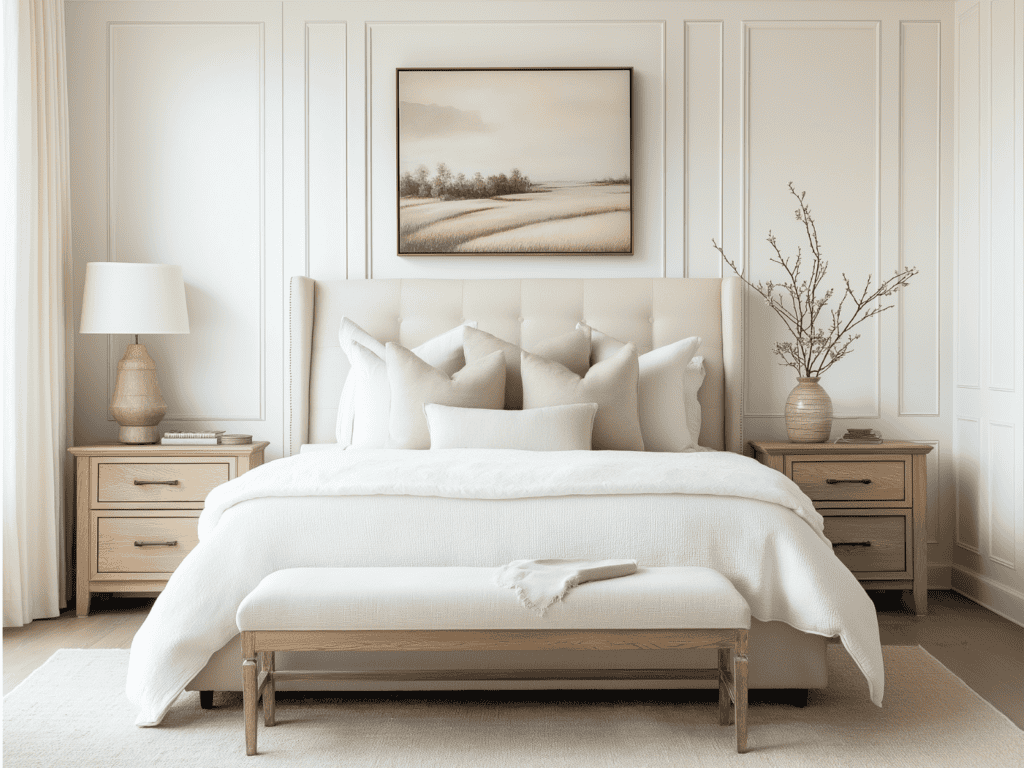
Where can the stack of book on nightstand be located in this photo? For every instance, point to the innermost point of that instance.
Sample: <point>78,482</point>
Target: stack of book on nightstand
<point>204,438</point>
<point>861,436</point>
<point>191,438</point>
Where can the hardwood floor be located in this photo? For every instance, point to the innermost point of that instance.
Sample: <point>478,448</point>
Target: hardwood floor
<point>984,650</point>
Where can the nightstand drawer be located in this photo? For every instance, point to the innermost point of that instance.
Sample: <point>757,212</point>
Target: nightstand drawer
<point>869,542</point>
<point>143,544</point>
<point>851,480</point>
<point>159,481</point>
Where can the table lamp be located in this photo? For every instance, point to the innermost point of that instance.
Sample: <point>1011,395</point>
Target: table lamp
<point>135,298</point>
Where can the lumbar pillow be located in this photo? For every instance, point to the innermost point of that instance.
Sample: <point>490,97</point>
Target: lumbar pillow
<point>444,352</point>
<point>613,384</point>
<point>415,383</point>
<point>670,377</point>
<point>556,428</point>
<point>571,350</point>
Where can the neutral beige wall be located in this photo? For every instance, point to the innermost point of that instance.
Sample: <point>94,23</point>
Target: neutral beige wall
<point>251,141</point>
<point>988,436</point>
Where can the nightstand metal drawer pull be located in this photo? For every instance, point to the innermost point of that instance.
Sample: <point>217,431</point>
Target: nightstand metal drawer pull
<point>830,481</point>
<point>851,544</point>
<point>156,543</point>
<point>156,482</point>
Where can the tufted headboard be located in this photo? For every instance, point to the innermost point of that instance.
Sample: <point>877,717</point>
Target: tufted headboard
<point>650,312</point>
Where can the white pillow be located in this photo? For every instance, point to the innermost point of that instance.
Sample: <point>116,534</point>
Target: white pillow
<point>613,384</point>
<point>556,428</point>
<point>415,383</point>
<point>670,377</point>
<point>444,352</point>
<point>571,349</point>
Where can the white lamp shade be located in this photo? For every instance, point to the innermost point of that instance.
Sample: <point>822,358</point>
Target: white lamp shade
<point>133,298</point>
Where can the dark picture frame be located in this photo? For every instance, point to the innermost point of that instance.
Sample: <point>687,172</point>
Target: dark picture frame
<point>525,161</point>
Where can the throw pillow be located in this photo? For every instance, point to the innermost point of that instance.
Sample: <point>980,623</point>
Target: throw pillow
<point>613,384</point>
<point>570,349</point>
<point>415,383</point>
<point>556,428</point>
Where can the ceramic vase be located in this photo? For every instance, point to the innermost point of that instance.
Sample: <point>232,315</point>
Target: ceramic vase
<point>808,412</point>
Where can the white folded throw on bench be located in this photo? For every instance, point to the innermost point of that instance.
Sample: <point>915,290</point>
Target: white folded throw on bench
<point>539,583</point>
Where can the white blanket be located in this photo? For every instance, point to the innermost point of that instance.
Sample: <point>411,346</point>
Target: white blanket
<point>767,538</point>
<point>502,474</point>
<point>541,583</point>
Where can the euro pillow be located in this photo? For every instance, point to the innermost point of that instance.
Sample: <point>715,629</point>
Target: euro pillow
<point>358,395</point>
<point>613,384</point>
<point>555,428</point>
<point>670,377</point>
<point>415,383</point>
<point>570,349</point>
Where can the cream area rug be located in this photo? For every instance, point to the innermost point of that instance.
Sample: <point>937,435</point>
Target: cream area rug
<point>72,711</point>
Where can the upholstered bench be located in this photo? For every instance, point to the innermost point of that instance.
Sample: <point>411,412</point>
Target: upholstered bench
<point>448,609</point>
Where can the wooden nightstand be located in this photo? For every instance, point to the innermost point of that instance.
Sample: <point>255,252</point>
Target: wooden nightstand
<point>138,507</point>
<point>874,500</point>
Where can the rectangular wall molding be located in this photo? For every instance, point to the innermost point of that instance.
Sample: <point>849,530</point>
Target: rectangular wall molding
<point>705,159</point>
<point>919,216</point>
<point>968,482</point>
<point>326,158</point>
<point>1004,108</point>
<point>207,205</point>
<point>778,145</point>
<point>968,199</point>
<point>1002,484</point>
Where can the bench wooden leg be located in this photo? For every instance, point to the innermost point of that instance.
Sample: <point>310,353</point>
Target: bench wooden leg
<point>739,678</point>
<point>724,699</point>
<point>206,699</point>
<point>249,693</point>
<point>269,691</point>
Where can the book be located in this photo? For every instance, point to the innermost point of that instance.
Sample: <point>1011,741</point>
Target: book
<point>165,440</point>
<point>861,437</point>
<point>183,435</point>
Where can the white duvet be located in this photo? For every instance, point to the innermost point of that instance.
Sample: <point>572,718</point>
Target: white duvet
<point>713,509</point>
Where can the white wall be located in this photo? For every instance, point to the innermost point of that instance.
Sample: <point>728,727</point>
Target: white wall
<point>251,141</point>
<point>989,325</point>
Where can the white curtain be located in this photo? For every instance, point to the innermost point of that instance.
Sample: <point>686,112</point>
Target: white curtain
<point>37,373</point>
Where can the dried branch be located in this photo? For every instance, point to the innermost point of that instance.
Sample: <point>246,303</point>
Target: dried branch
<point>819,340</point>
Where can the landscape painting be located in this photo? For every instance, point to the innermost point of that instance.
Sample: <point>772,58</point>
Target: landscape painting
<point>525,161</point>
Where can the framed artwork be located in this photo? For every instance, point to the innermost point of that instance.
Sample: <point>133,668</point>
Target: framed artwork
<point>524,161</point>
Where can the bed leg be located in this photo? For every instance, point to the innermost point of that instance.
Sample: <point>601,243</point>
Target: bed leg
<point>724,700</point>
<point>206,699</point>
<point>269,692</point>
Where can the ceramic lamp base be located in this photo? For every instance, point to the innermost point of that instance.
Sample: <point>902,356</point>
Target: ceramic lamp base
<point>137,404</point>
<point>138,435</point>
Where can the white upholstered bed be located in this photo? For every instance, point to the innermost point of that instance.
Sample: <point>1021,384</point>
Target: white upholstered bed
<point>371,528</point>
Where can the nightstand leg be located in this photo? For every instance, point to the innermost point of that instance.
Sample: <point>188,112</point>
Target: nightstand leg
<point>919,598</point>
<point>82,600</point>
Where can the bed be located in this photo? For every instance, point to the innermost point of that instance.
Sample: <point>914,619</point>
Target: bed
<point>781,563</point>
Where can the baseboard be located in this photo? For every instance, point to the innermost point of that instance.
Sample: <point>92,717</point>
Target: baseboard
<point>940,576</point>
<point>998,598</point>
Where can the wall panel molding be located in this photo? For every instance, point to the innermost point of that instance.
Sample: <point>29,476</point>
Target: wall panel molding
<point>1002,484</point>
<point>1003,109</point>
<point>967,199</point>
<point>968,483</point>
<point>152,236</point>
<point>919,216</point>
<point>794,157</point>
<point>518,42</point>
<point>704,205</point>
<point>325,112</point>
